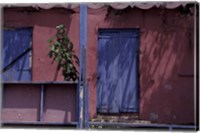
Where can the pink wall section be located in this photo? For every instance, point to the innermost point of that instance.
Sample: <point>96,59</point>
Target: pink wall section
<point>21,103</point>
<point>166,50</point>
<point>44,23</point>
<point>60,103</point>
<point>166,53</point>
<point>42,65</point>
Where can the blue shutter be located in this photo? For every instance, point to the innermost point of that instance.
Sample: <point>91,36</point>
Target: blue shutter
<point>129,72</point>
<point>16,51</point>
<point>117,85</point>
<point>107,73</point>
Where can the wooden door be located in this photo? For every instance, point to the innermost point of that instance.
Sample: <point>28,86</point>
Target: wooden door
<point>117,87</point>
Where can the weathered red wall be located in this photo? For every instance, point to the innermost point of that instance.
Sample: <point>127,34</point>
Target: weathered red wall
<point>21,103</point>
<point>44,23</point>
<point>60,101</point>
<point>166,50</point>
<point>166,45</point>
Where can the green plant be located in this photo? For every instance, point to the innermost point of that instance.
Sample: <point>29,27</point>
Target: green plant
<point>61,50</point>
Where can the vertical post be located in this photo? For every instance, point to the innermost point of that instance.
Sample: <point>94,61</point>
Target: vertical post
<point>41,102</point>
<point>86,106</point>
<point>82,70</point>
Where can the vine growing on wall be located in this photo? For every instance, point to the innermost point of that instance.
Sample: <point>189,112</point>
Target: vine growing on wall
<point>61,50</point>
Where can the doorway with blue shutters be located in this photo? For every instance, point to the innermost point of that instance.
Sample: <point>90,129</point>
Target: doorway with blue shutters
<point>16,54</point>
<point>118,78</point>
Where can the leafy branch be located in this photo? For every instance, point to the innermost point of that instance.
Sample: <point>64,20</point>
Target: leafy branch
<point>61,50</point>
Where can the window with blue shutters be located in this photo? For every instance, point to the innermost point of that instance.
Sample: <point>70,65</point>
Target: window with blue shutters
<point>117,85</point>
<point>16,54</point>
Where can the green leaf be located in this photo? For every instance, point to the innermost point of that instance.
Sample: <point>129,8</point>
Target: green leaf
<point>60,26</point>
<point>66,54</point>
<point>57,44</point>
<point>70,65</point>
<point>53,48</point>
<point>62,50</point>
<point>56,58</point>
<point>68,69</point>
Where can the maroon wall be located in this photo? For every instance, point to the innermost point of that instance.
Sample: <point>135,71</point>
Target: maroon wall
<point>21,103</point>
<point>166,55</point>
<point>44,23</point>
<point>60,100</point>
<point>166,60</point>
<point>60,103</point>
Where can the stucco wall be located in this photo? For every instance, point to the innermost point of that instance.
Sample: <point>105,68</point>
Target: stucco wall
<point>166,61</point>
<point>21,103</point>
<point>43,23</point>
<point>60,100</point>
<point>166,55</point>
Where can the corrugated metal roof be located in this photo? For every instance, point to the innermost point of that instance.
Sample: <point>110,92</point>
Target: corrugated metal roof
<point>147,5</point>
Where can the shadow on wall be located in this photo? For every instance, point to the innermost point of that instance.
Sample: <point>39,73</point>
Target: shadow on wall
<point>161,91</point>
<point>166,51</point>
<point>60,103</point>
<point>28,17</point>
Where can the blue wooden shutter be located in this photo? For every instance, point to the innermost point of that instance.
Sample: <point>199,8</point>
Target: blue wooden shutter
<point>128,68</point>
<point>107,73</point>
<point>117,89</point>
<point>16,51</point>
